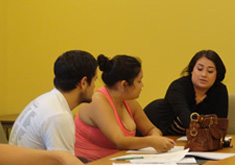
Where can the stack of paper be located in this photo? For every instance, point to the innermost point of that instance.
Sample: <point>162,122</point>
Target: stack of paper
<point>149,155</point>
<point>176,156</point>
<point>205,155</point>
<point>151,150</point>
<point>161,158</point>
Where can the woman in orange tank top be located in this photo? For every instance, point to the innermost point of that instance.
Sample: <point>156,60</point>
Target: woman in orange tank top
<point>108,124</point>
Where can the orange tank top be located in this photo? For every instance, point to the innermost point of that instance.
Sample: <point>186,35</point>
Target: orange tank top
<point>91,143</point>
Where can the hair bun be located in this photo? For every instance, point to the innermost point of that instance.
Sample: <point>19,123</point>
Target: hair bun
<point>104,63</point>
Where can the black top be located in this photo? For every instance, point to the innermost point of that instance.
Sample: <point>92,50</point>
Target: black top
<point>180,102</point>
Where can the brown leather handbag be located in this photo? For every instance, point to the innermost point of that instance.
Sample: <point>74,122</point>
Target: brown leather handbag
<point>206,132</point>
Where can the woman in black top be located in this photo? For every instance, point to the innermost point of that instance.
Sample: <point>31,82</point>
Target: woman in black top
<point>199,90</point>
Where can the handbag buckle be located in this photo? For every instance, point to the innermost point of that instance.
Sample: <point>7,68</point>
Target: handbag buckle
<point>193,132</point>
<point>194,116</point>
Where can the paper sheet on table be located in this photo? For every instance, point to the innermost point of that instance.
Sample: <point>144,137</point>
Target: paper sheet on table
<point>205,155</point>
<point>183,138</point>
<point>128,156</point>
<point>153,158</point>
<point>151,150</point>
<point>162,157</point>
<point>211,155</point>
<point>189,160</point>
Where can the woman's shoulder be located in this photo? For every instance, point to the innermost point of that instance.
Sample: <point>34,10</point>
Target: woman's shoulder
<point>98,104</point>
<point>219,86</point>
<point>184,81</point>
<point>99,97</point>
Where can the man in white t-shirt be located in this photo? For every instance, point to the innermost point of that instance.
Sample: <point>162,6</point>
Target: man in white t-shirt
<point>47,122</point>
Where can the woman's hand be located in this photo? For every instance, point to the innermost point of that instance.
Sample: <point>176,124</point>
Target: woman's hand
<point>162,144</point>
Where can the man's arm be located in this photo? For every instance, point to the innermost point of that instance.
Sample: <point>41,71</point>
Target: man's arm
<point>11,155</point>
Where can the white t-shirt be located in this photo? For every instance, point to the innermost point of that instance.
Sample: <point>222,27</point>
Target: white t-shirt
<point>46,123</point>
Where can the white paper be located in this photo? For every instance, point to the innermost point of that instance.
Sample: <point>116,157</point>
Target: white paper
<point>151,150</point>
<point>183,138</point>
<point>127,156</point>
<point>162,157</point>
<point>144,156</point>
<point>211,155</point>
<point>227,138</point>
<point>205,155</point>
<point>189,160</point>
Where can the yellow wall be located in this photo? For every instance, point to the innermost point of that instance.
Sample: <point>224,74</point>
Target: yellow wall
<point>164,34</point>
<point>3,57</point>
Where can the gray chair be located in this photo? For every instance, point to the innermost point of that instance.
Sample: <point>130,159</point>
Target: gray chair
<point>231,114</point>
<point>3,138</point>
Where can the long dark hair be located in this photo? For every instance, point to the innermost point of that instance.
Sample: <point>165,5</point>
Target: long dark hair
<point>211,55</point>
<point>121,67</point>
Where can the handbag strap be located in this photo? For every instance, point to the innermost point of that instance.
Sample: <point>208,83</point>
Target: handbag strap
<point>204,120</point>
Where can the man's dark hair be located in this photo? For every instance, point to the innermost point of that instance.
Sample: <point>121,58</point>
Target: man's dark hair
<point>71,67</point>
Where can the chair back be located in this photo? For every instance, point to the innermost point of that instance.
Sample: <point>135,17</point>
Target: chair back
<point>3,138</point>
<point>231,114</point>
